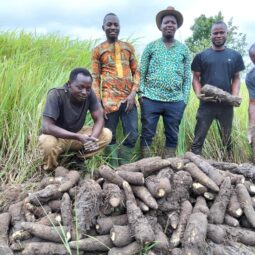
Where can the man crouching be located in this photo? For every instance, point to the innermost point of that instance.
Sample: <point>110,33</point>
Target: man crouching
<point>64,116</point>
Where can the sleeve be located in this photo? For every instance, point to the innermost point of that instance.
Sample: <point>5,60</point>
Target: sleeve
<point>250,83</point>
<point>144,66</point>
<point>196,64</point>
<point>52,106</point>
<point>134,69</point>
<point>187,75</point>
<point>239,63</point>
<point>93,103</point>
<point>96,72</point>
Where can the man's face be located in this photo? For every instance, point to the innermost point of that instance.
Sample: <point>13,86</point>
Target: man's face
<point>252,56</point>
<point>219,35</point>
<point>80,88</point>
<point>168,26</point>
<point>111,27</point>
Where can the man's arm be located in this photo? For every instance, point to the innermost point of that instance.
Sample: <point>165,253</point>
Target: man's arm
<point>130,100</point>
<point>235,87</point>
<point>187,77</point>
<point>196,83</point>
<point>96,72</point>
<point>50,128</point>
<point>144,66</point>
<point>98,119</point>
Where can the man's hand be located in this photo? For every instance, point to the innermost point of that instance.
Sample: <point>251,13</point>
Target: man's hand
<point>205,98</point>
<point>130,100</point>
<point>89,142</point>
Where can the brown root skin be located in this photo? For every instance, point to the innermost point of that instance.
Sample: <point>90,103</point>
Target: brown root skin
<point>104,225</point>
<point>110,175</point>
<point>166,172</point>
<point>198,188</point>
<point>158,187</point>
<point>207,168</point>
<point>201,177</point>
<point>134,178</point>
<point>142,205</point>
<point>140,228</point>
<point>50,180</point>
<point>230,248</point>
<point>95,243</point>
<point>41,248</point>
<point>221,95</point>
<point>51,192</point>
<point>144,194</point>
<point>250,187</point>
<point>121,236</point>
<point>53,234</point>
<point>201,206</point>
<point>235,178</point>
<point>234,207</point>
<point>154,166</point>
<point>17,215</point>
<point>88,202</point>
<point>66,211</point>
<point>195,234</point>
<point>70,179</point>
<point>55,206</point>
<point>136,166</point>
<point>173,218</point>
<point>222,233</point>
<point>131,249</point>
<point>112,195</point>
<point>38,211</point>
<point>186,210</point>
<point>161,241</point>
<point>176,163</point>
<point>231,221</point>
<point>219,206</point>
<point>5,219</point>
<point>52,219</point>
<point>246,203</point>
<point>61,171</point>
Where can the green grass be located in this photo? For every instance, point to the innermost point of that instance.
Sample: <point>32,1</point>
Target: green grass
<point>30,64</point>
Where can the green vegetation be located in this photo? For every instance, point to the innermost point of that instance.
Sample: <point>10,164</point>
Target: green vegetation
<point>31,64</point>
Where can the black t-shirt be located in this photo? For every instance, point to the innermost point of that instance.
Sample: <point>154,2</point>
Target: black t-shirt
<point>67,115</point>
<point>218,67</point>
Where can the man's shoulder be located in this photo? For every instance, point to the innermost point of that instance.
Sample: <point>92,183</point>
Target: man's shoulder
<point>57,91</point>
<point>251,74</point>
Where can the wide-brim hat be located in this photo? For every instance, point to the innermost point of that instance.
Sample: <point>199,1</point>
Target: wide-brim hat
<point>169,11</point>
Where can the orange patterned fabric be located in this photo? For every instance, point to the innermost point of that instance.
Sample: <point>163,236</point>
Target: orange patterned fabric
<point>115,73</point>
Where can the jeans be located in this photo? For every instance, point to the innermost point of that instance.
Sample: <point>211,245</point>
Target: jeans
<point>171,112</point>
<point>129,124</point>
<point>206,113</point>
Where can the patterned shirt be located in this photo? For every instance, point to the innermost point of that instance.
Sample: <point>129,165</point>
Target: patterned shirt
<point>115,73</point>
<point>165,73</point>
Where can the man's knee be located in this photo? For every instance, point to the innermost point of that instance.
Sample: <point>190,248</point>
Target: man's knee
<point>106,136</point>
<point>47,143</point>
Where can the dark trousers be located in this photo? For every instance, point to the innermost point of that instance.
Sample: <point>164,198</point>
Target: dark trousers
<point>171,112</point>
<point>206,113</point>
<point>129,125</point>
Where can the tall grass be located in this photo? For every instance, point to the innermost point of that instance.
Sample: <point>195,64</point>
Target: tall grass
<point>30,64</point>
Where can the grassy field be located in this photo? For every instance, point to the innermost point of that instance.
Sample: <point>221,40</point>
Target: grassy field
<point>31,64</point>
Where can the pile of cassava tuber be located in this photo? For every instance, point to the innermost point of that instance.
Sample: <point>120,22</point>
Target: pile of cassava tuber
<point>186,205</point>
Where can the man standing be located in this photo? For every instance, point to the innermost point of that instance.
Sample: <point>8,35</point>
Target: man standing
<point>64,116</point>
<point>250,83</point>
<point>220,67</point>
<point>165,83</point>
<point>114,69</point>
